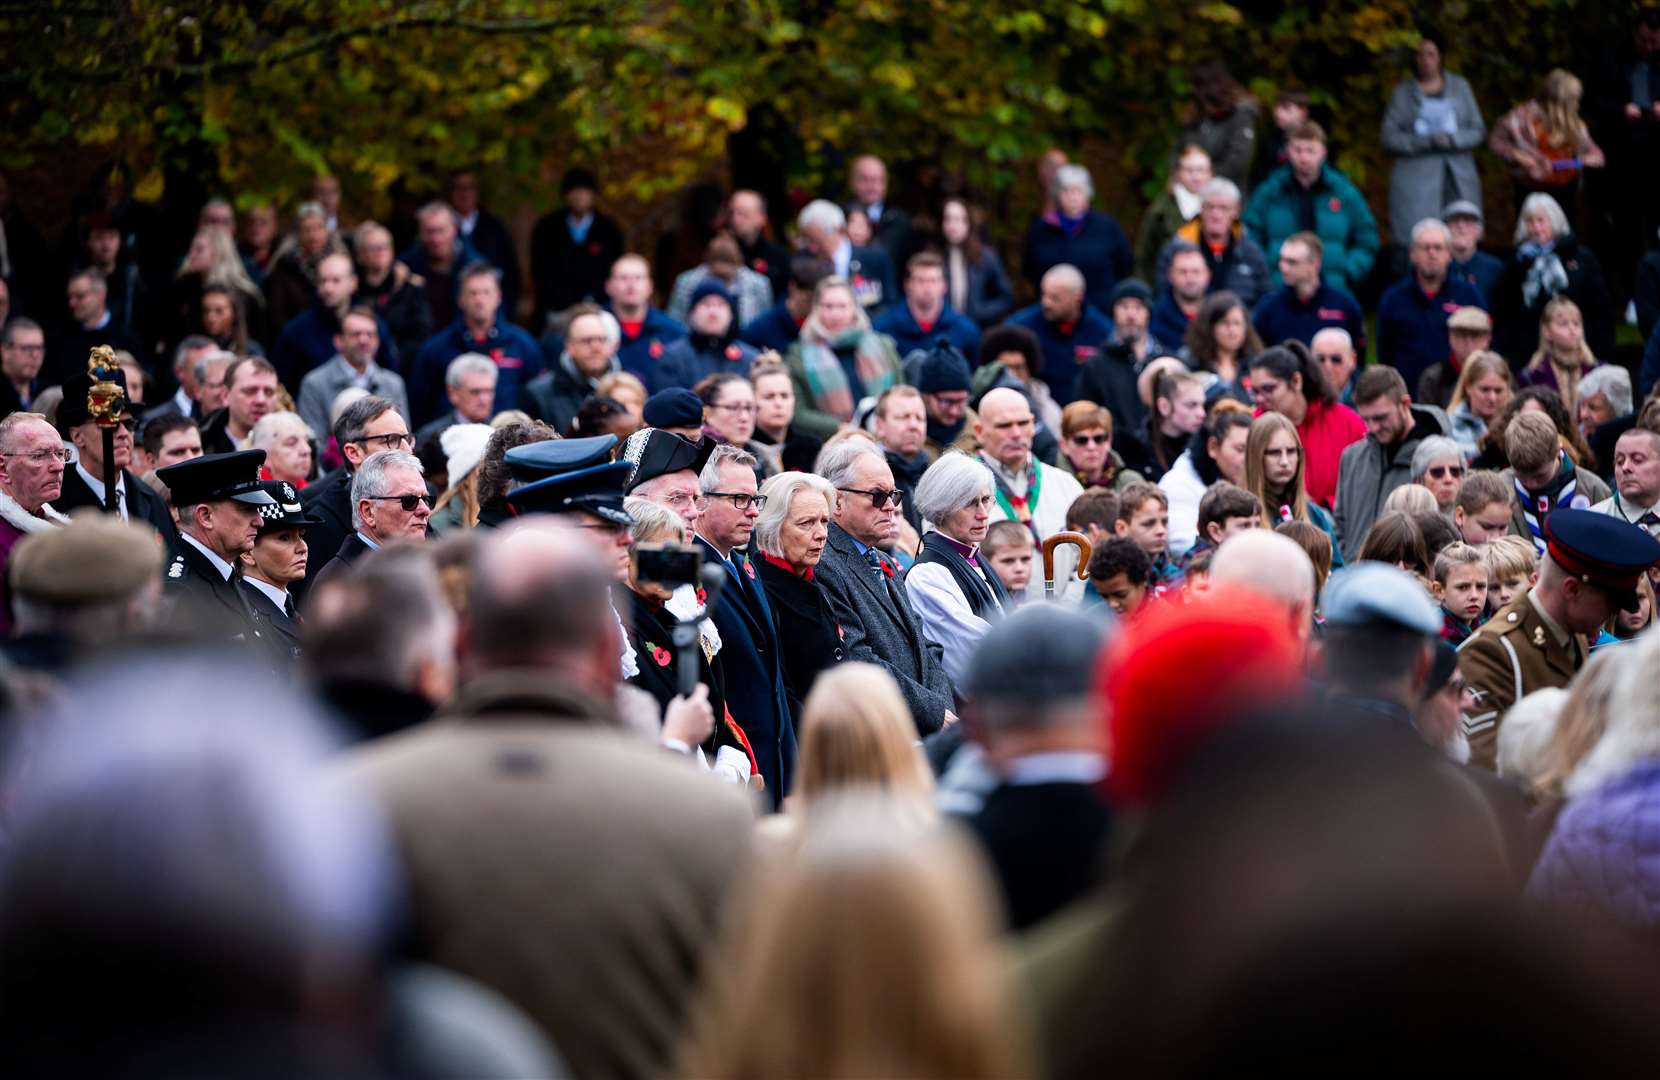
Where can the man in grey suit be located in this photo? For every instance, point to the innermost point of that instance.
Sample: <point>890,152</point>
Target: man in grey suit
<point>863,586</point>
<point>353,365</point>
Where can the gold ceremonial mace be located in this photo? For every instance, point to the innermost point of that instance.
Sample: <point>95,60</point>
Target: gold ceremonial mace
<point>105,400</point>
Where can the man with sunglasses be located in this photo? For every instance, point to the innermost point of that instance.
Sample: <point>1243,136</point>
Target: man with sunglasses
<point>390,501</point>
<point>367,426</point>
<point>83,482</point>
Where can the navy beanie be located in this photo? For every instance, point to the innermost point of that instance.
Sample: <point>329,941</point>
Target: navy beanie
<point>677,407</point>
<point>942,370</point>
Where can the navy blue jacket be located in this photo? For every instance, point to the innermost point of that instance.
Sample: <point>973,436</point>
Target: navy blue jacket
<point>1100,251</point>
<point>774,328</point>
<point>754,675</point>
<point>1482,271</point>
<point>1283,317</point>
<point>639,354</point>
<point>1412,327</point>
<point>870,272</point>
<point>1168,322</point>
<point>1066,348</point>
<point>307,341</point>
<point>908,335</point>
<point>518,360</point>
<point>687,361</point>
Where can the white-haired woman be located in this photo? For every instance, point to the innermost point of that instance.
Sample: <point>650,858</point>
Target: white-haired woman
<point>286,440</point>
<point>1438,464</point>
<point>954,592</point>
<point>790,534</point>
<point>1549,262</point>
<point>1074,234</point>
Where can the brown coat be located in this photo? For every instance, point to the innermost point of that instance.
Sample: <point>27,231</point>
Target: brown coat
<point>569,866</point>
<point>1510,656</point>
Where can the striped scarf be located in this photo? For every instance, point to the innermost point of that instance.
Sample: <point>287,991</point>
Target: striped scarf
<point>1559,494</point>
<point>874,362</point>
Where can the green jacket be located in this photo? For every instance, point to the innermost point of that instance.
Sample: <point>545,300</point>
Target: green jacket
<point>1158,225</point>
<point>1342,220</point>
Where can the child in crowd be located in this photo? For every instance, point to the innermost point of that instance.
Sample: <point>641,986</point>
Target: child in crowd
<point>1120,575</point>
<point>1144,517</point>
<point>1009,550</point>
<point>1512,569</point>
<point>1482,510</point>
<point>1224,511</point>
<point>1094,513</point>
<point>1316,542</point>
<point>1460,587</point>
<point>1196,575</point>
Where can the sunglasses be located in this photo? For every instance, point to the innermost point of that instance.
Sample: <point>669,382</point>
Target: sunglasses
<point>407,502</point>
<point>1438,472</point>
<point>1091,440</point>
<point>878,499</point>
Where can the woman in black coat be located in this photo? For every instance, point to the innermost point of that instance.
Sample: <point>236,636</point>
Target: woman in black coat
<point>790,535</point>
<point>1549,262</point>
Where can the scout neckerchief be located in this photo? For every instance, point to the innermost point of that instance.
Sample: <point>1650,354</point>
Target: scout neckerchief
<point>1559,494</point>
<point>1019,507</point>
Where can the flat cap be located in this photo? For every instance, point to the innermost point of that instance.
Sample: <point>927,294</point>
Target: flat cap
<point>1374,594</point>
<point>1461,208</point>
<point>554,457</point>
<point>1601,550</point>
<point>1042,653</point>
<point>651,453</point>
<point>674,407</point>
<point>96,557</point>
<point>217,476</point>
<point>1470,318</point>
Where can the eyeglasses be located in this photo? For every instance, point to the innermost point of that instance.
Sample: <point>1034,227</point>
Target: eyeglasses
<point>878,499</point>
<point>32,350</point>
<point>41,457</point>
<point>1091,440</point>
<point>683,500</point>
<point>736,407</point>
<point>739,500</point>
<point>407,502</point>
<point>391,442</point>
<point>1438,472</point>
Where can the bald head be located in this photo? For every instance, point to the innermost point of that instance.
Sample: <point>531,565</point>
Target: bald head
<point>1062,293</point>
<point>1005,426</point>
<point>1273,565</point>
<point>1334,351</point>
<point>538,598</point>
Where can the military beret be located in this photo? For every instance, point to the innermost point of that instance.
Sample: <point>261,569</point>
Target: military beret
<point>1601,550</point>
<point>675,407</point>
<point>96,557</point>
<point>217,476</point>
<point>1374,594</point>
<point>651,453</point>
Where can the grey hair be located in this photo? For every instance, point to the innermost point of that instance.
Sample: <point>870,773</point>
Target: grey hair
<point>310,209</point>
<point>268,428</point>
<point>13,421</point>
<point>651,518</point>
<point>1073,176</point>
<point>821,214</point>
<point>370,479</point>
<point>1222,186</point>
<point>725,454</point>
<point>435,207</point>
<point>1551,208</point>
<point>837,461</point>
<point>1612,382</point>
<point>466,364</point>
<point>949,484</point>
<point>780,491</point>
<point>1430,450</point>
<point>1426,224</point>
<point>188,345</point>
<point>1339,332</point>
<point>206,361</point>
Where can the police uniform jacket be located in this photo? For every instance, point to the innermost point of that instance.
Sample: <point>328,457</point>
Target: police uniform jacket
<point>204,600</point>
<point>280,631</point>
<point>1515,653</point>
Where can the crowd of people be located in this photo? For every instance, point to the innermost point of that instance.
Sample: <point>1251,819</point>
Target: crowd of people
<point>438,662</point>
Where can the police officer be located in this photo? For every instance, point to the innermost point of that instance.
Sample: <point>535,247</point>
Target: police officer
<point>1590,569</point>
<point>277,561</point>
<point>218,498</point>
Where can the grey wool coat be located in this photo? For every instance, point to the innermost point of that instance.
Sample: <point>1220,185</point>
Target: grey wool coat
<point>1426,177</point>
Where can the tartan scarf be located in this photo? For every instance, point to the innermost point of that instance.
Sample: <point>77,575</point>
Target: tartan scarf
<point>873,361</point>
<point>1559,494</point>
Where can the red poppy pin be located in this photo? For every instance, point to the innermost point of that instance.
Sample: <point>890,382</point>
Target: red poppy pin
<point>858,280</point>
<point>656,349</point>
<point>496,355</point>
<point>1336,204</point>
<point>659,654</point>
<point>593,247</point>
<point>702,598</point>
<point>760,266</point>
<point>749,568</point>
<point>841,633</point>
<point>887,568</point>
<point>733,352</point>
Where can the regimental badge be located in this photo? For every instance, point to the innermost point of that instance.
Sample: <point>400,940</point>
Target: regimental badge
<point>176,571</point>
<point>1539,636</point>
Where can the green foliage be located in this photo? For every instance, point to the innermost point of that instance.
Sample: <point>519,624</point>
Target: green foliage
<point>374,89</point>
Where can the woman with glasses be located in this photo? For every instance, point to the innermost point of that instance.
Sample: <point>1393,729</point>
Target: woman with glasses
<point>729,410</point>
<point>1286,379</point>
<point>1274,465</point>
<point>1086,447</point>
<point>951,587</point>
<point>790,534</point>
<point>1438,464</point>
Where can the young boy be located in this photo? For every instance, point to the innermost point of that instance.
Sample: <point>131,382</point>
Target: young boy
<point>1119,574</point>
<point>1094,513</point>
<point>1009,550</point>
<point>1460,587</point>
<point>1144,517</point>
<point>1512,569</point>
<point>1482,512</point>
<point>1224,511</point>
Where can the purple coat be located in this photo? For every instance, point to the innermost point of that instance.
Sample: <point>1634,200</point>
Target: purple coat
<point>1545,375</point>
<point>1602,860</point>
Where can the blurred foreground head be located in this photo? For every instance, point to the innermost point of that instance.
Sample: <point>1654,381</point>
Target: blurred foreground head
<point>867,949</point>
<point>183,880</point>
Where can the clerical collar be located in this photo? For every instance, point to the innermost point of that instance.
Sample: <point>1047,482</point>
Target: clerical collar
<point>225,569</point>
<point>967,551</point>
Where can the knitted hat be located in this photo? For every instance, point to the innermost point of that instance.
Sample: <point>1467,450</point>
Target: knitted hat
<point>463,446</point>
<point>710,286</point>
<point>676,407</point>
<point>942,370</point>
<point>1131,289</point>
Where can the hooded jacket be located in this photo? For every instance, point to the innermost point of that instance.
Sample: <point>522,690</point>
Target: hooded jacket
<point>1367,472</point>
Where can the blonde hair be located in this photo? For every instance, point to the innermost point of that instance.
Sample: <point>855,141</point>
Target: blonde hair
<point>1559,98</point>
<point>1568,368</point>
<point>867,950</point>
<point>608,384</point>
<point>1455,555</point>
<point>856,731</point>
<point>1479,365</point>
<point>1413,499</point>
<point>1580,724</point>
<point>1510,557</point>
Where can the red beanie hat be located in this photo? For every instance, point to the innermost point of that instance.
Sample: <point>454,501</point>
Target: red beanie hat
<point>1178,672</point>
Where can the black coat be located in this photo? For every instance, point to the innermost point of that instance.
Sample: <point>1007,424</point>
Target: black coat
<point>143,504</point>
<point>68,349</point>
<point>350,551</point>
<point>565,272</point>
<point>808,637</point>
<point>1109,379</point>
<point>406,313</point>
<point>1046,844</point>
<point>200,602</point>
<point>1517,322</point>
<point>770,259</point>
<point>330,500</point>
<point>554,396</point>
<point>279,631</point>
